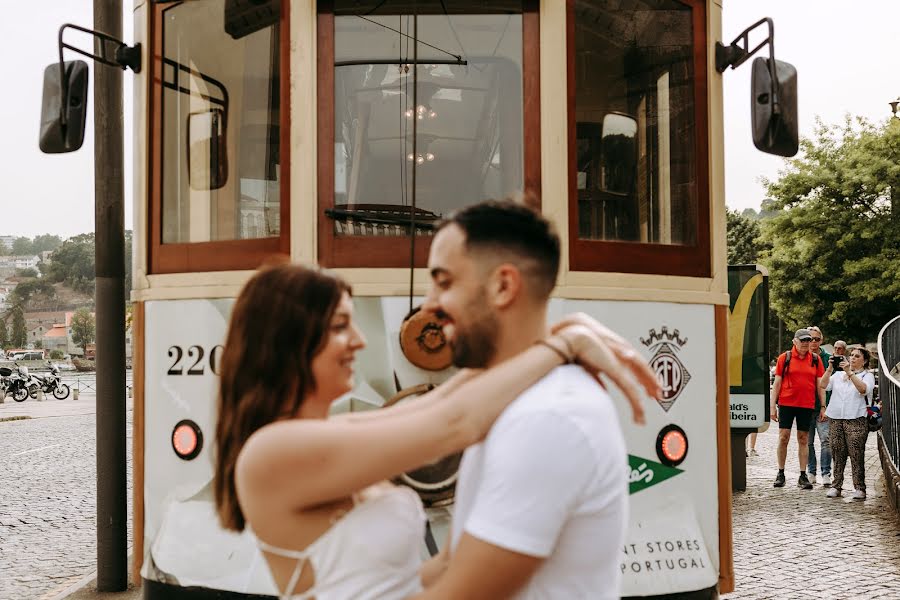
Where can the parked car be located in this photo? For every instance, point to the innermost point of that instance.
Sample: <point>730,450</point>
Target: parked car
<point>27,356</point>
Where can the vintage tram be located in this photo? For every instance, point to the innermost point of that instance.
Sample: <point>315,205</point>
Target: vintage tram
<point>337,132</point>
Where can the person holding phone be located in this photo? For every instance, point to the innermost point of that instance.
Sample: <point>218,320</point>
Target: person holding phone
<point>851,387</point>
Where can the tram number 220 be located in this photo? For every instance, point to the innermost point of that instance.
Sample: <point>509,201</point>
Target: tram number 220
<point>194,357</point>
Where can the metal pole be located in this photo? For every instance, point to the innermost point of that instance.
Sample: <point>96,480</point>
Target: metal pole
<point>109,240</point>
<point>415,155</point>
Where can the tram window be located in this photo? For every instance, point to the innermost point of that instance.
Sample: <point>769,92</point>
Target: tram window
<point>468,143</point>
<point>220,164</point>
<point>639,151</point>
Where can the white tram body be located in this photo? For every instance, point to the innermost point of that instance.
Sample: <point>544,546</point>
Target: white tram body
<point>301,128</point>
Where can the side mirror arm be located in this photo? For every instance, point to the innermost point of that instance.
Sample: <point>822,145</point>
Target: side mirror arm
<point>125,57</point>
<point>735,55</point>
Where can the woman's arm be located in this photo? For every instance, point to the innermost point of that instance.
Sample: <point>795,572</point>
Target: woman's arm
<point>304,463</point>
<point>826,377</point>
<point>859,382</point>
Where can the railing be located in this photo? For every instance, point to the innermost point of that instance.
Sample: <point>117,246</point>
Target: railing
<point>889,388</point>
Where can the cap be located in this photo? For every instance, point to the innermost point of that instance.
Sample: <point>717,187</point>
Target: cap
<point>803,335</point>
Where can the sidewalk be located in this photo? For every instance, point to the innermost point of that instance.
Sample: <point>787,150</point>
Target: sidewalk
<point>86,589</point>
<point>793,543</point>
<point>49,407</point>
<point>48,498</point>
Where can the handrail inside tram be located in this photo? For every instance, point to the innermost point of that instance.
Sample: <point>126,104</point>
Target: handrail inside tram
<point>387,214</point>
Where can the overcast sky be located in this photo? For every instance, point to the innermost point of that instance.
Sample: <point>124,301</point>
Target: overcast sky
<point>847,56</point>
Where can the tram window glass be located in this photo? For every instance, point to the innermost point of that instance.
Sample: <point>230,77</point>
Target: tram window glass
<point>640,173</point>
<point>220,164</point>
<point>468,143</point>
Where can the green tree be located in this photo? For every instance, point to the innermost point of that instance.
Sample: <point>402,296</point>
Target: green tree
<point>22,246</point>
<point>835,237</point>
<point>18,337</point>
<point>4,335</point>
<point>46,242</point>
<point>73,263</point>
<point>33,289</point>
<point>26,273</point>
<point>743,238</point>
<point>56,354</point>
<point>82,328</point>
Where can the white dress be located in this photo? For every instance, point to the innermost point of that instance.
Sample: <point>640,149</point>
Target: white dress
<point>373,551</point>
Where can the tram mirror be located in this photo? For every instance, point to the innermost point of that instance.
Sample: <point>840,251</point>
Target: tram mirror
<point>618,154</point>
<point>774,132</point>
<point>243,18</point>
<point>206,153</point>
<point>63,107</point>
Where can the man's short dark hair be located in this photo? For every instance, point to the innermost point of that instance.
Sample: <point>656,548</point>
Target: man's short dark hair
<point>504,227</point>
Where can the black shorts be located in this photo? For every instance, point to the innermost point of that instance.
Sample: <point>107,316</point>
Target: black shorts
<point>787,414</point>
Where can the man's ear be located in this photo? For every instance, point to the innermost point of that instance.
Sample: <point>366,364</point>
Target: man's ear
<point>505,285</point>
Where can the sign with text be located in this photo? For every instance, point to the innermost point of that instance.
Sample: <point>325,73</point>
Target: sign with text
<point>665,550</point>
<point>748,355</point>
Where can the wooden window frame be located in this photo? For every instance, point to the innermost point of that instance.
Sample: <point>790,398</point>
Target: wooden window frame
<point>377,252</point>
<point>641,257</point>
<point>225,255</point>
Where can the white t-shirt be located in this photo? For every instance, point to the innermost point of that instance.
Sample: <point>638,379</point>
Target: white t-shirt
<point>549,481</point>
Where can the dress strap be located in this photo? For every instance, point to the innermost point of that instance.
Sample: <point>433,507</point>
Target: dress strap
<point>286,553</point>
<point>300,556</point>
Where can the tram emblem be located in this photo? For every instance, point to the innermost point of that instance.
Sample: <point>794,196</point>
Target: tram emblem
<point>670,372</point>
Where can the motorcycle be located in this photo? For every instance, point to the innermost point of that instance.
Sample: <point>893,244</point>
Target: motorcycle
<point>5,373</point>
<point>50,384</point>
<point>16,383</point>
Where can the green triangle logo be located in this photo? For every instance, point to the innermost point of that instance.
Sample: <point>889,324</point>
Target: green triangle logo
<point>644,473</point>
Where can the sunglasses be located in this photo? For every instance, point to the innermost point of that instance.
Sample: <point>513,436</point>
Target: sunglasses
<point>815,339</point>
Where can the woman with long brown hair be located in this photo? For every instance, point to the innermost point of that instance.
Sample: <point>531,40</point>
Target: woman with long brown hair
<point>314,488</point>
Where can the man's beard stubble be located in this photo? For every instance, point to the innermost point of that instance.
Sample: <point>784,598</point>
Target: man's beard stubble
<point>476,344</point>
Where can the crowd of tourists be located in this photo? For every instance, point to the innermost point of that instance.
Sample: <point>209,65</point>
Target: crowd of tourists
<point>829,397</point>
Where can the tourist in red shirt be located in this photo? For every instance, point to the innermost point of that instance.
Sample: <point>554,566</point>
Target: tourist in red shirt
<point>795,396</point>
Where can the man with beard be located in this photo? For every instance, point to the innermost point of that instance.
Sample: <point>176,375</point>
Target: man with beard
<point>542,503</point>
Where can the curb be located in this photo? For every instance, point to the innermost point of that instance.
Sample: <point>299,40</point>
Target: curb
<point>86,588</point>
<point>75,587</point>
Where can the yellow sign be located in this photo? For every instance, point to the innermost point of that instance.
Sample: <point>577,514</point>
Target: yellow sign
<point>737,327</point>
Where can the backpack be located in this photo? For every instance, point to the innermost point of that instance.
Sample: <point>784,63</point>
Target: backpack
<point>787,363</point>
<point>873,417</point>
<point>784,372</point>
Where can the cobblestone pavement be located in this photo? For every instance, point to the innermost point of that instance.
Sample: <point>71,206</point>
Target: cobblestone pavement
<point>792,543</point>
<point>48,495</point>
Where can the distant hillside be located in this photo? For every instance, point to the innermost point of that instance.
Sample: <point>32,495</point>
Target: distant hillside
<point>61,298</point>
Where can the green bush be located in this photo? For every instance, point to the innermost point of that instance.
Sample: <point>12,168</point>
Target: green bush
<point>56,355</point>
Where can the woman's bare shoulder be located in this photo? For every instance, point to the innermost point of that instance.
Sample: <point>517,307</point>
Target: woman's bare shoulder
<point>292,444</point>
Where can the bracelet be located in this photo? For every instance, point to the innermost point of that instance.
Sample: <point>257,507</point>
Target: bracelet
<point>567,359</point>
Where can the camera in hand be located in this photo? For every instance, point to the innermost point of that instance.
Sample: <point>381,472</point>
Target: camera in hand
<point>836,362</point>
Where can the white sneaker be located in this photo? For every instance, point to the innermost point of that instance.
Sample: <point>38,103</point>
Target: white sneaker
<point>753,452</point>
<point>826,480</point>
<point>812,479</point>
<point>833,493</point>
<point>859,495</point>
